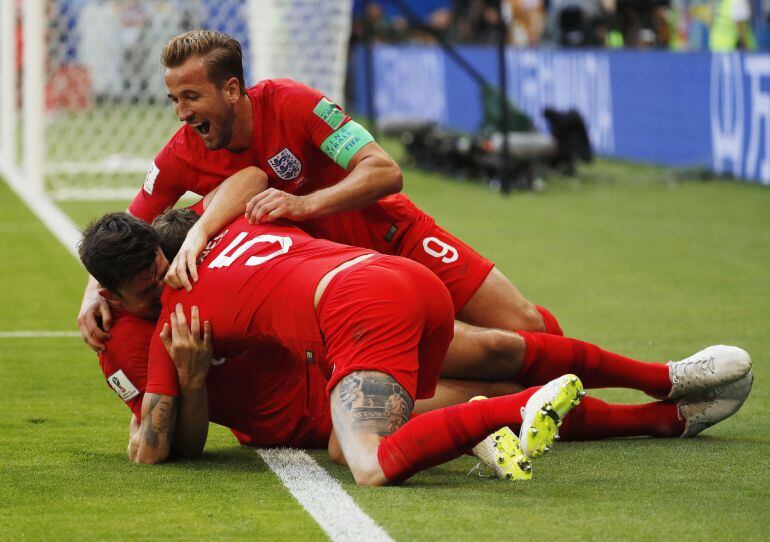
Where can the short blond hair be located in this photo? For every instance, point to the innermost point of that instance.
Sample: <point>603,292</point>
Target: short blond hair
<point>221,54</point>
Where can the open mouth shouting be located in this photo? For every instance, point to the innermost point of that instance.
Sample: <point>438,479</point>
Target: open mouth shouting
<point>203,128</point>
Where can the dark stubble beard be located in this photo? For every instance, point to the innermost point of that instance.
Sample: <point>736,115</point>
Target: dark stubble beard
<point>226,134</point>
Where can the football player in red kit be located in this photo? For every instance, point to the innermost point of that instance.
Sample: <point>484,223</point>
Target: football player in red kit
<point>378,326</point>
<point>371,341</point>
<point>322,166</point>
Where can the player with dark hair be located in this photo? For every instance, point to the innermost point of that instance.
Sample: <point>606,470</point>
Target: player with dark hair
<point>723,400</point>
<point>322,167</point>
<point>379,327</point>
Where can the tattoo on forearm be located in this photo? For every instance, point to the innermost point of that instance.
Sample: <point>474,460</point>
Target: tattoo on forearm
<point>159,420</point>
<point>373,402</point>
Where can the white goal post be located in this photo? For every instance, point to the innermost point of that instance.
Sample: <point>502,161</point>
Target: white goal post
<point>83,107</point>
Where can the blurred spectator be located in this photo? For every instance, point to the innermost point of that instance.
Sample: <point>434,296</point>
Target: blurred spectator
<point>730,29</point>
<point>528,22</point>
<point>672,24</point>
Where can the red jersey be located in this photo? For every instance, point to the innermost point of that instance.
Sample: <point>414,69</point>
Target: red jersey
<point>304,143</point>
<point>265,396</point>
<point>256,285</point>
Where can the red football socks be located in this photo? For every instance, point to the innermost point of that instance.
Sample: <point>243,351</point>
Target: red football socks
<point>441,435</point>
<point>594,419</point>
<point>438,436</point>
<point>550,356</point>
<point>552,326</point>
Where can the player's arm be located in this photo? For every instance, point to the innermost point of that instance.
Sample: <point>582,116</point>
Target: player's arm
<point>227,203</point>
<point>95,318</point>
<point>372,174</point>
<point>152,442</point>
<point>133,436</point>
<point>191,353</point>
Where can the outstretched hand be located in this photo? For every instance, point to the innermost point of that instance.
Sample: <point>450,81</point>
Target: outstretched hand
<point>190,350</point>
<point>93,309</point>
<point>272,204</point>
<point>184,267</point>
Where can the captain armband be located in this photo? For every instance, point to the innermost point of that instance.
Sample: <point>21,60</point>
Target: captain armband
<point>345,142</point>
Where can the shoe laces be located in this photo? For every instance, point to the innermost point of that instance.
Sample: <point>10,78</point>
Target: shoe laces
<point>692,369</point>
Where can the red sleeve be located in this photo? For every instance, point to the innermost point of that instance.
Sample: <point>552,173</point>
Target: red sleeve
<point>161,373</point>
<point>124,362</point>
<point>165,183</point>
<point>329,128</point>
<point>310,111</point>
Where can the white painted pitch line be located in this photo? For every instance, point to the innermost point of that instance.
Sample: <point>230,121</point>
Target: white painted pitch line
<point>31,334</point>
<point>49,214</point>
<point>322,496</point>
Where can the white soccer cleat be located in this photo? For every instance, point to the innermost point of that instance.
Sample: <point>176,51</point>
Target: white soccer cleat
<point>709,368</point>
<point>500,453</point>
<point>712,406</point>
<point>544,412</point>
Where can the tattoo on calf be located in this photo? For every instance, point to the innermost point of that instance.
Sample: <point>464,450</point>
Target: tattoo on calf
<point>375,401</point>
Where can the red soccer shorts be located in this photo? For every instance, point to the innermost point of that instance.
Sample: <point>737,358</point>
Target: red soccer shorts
<point>390,315</point>
<point>291,409</point>
<point>460,268</point>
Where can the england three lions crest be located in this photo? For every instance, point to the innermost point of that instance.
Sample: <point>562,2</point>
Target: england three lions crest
<point>286,165</point>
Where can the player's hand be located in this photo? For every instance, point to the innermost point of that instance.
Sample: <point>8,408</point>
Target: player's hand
<point>184,267</point>
<point>272,204</point>
<point>190,350</point>
<point>93,309</point>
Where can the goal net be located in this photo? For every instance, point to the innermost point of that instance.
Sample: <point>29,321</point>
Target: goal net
<point>103,111</point>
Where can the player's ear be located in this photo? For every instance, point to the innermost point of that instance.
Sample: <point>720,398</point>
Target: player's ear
<point>232,89</point>
<point>111,298</point>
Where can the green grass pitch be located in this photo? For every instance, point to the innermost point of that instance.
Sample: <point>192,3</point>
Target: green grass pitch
<point>634,258</point>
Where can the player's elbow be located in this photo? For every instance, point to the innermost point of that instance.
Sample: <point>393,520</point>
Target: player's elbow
<point>150,457</point>
<point>146,454</point>
<point>397,182</point>
<point>391,177</point>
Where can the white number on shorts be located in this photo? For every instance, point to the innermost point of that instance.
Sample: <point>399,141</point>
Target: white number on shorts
<point>447,253</point>
<point>233,251</point>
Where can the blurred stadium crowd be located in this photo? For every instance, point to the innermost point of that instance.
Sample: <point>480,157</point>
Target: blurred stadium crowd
<point>717,25</point>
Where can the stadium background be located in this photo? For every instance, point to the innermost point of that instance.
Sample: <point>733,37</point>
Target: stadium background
<point>651,261</point>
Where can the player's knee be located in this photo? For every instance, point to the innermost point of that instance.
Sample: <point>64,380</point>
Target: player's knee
<point>335,452</point>
<point>369,476</point>
<point>366,470</point>
<point>532,320</point>
<point>506,349</point>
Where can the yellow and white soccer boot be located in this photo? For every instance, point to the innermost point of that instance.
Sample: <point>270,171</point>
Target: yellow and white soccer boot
<point>501,453</point>
<point>543,414</point>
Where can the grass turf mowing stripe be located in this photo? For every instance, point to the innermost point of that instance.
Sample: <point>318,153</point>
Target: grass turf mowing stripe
<point>336,512</point>
<point>324,499</point>
<point>37,334</point>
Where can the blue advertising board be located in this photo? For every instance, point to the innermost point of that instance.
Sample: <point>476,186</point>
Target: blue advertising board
<point>677,109</point>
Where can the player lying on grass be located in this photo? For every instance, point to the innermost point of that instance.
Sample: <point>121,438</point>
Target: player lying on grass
<point>378,326</point>
<point>322,166</point>
<point>651,411</point>
<point>290,131</point>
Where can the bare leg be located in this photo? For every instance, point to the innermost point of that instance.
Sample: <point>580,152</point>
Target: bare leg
<point>483,354</point>
<point>453,392</point>
<point>365,406</point>
<point>498,304</point>
<point>448,392</point>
